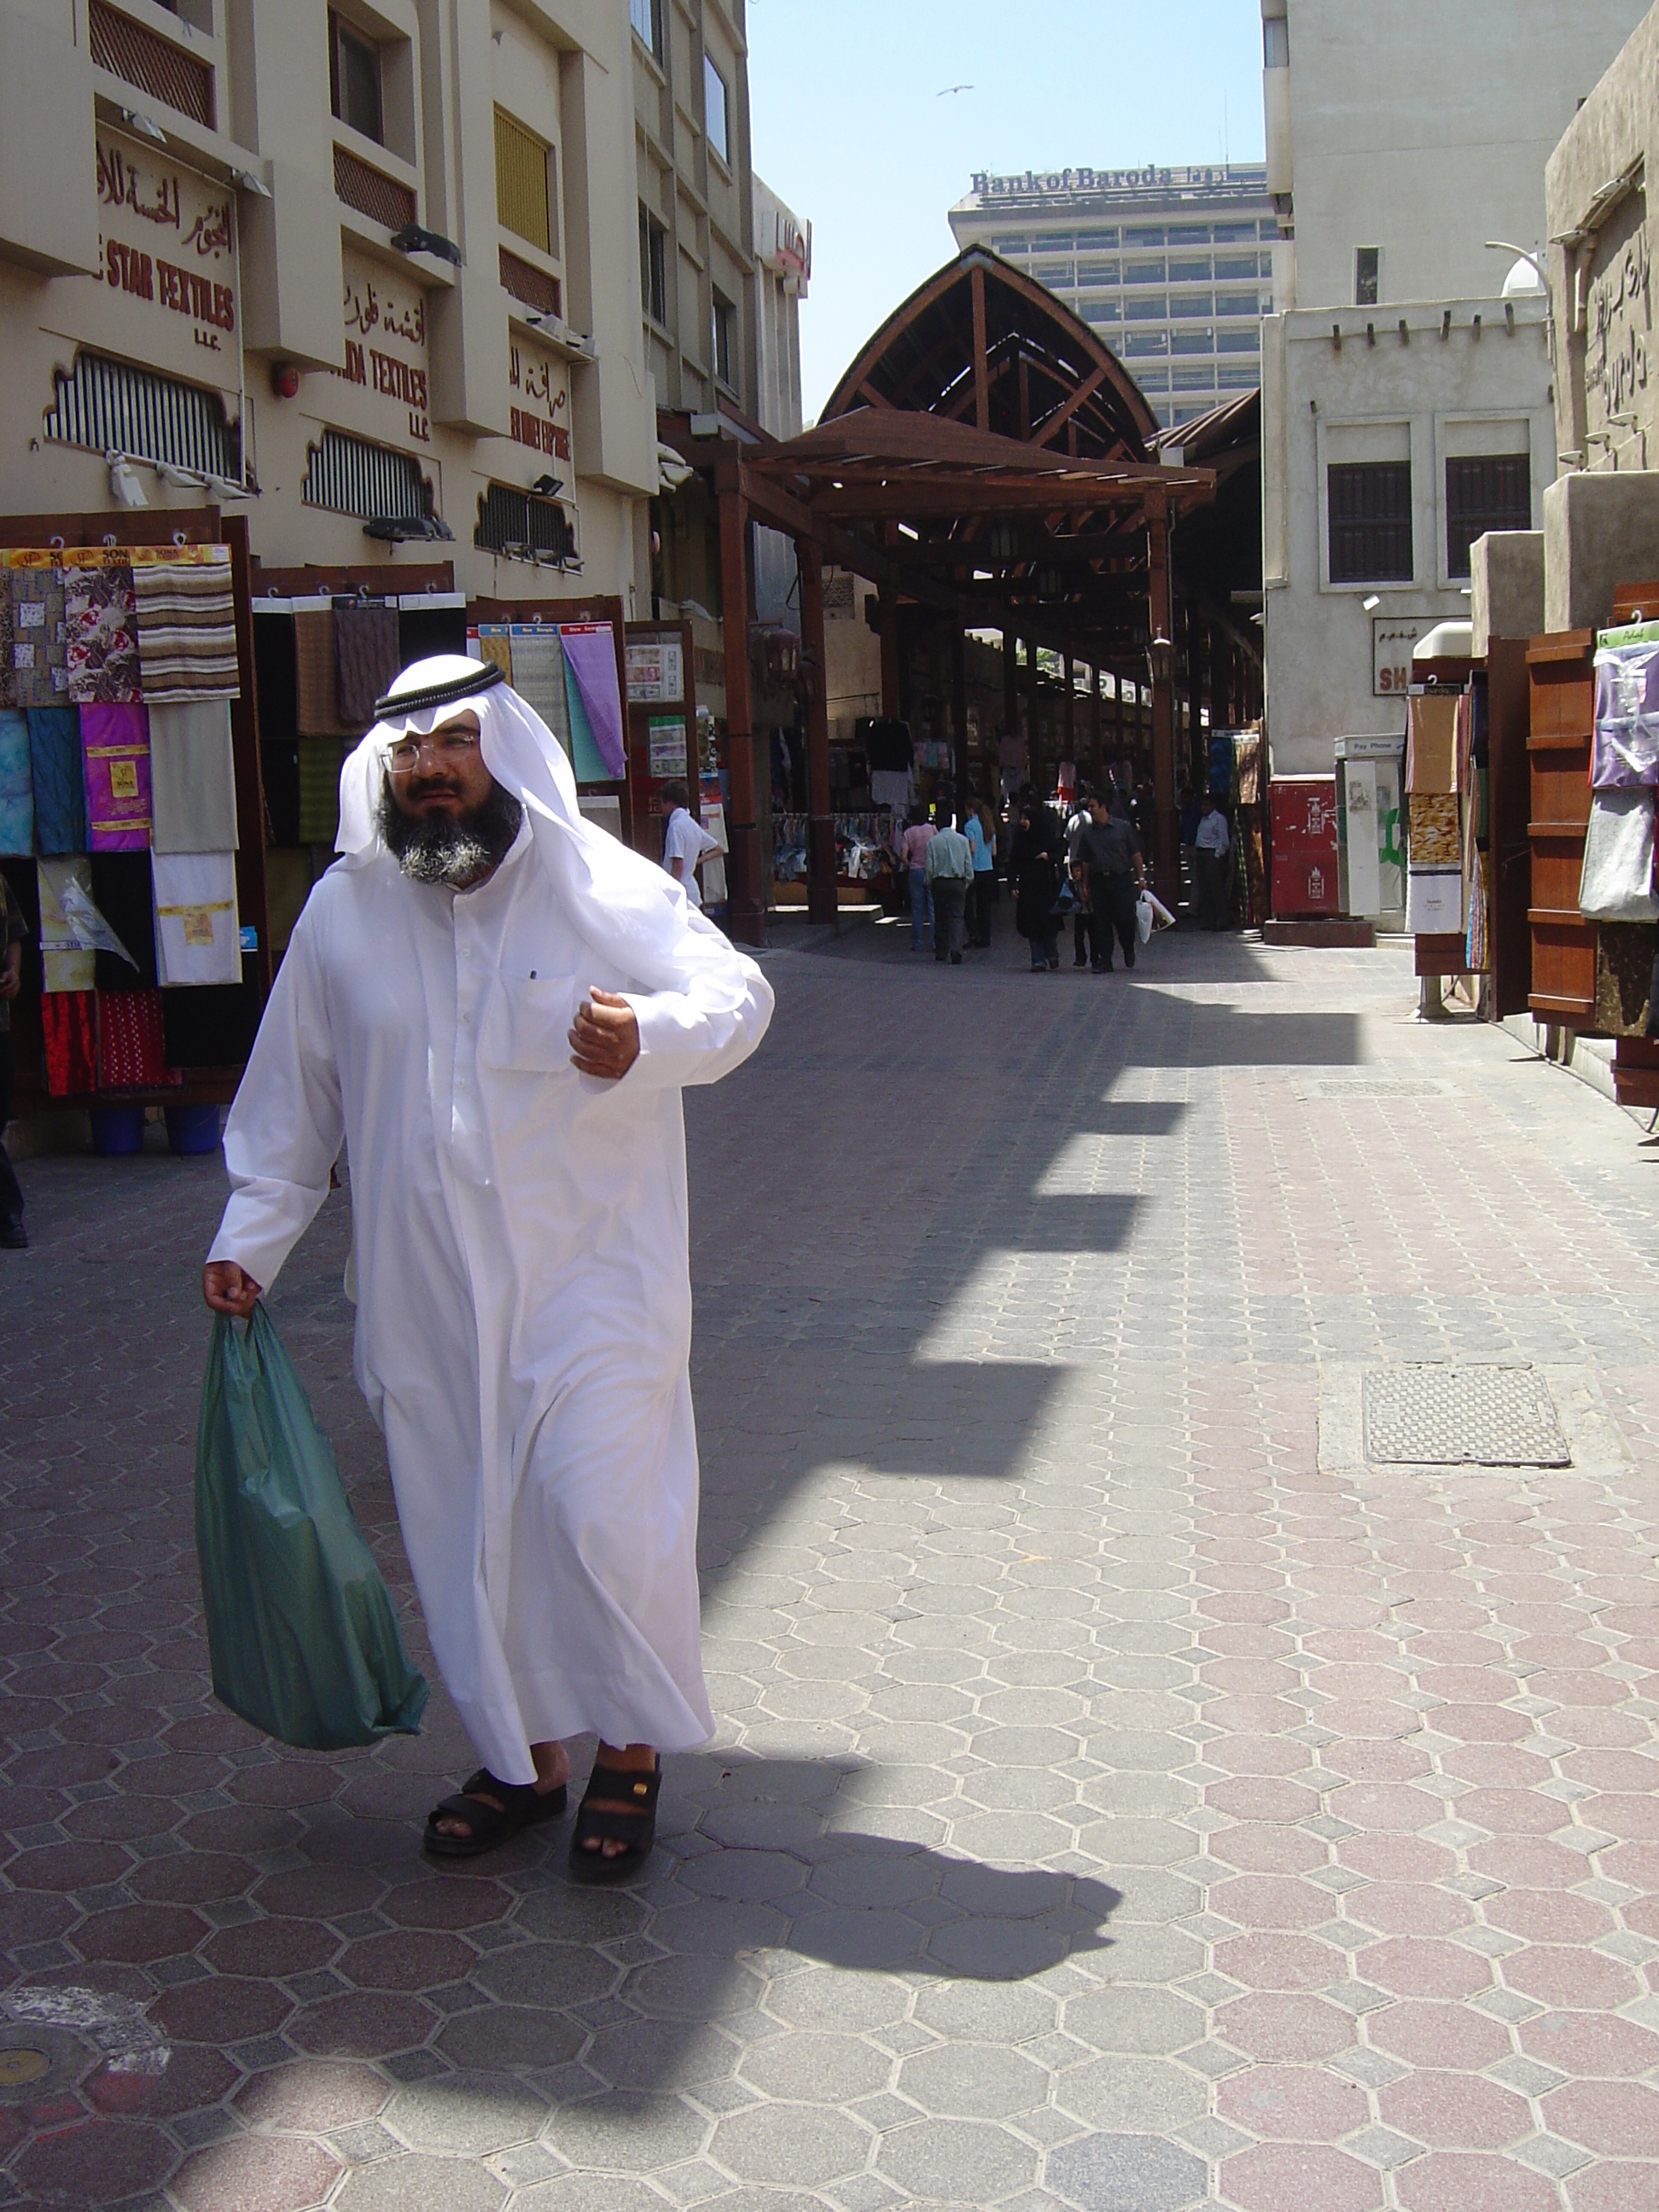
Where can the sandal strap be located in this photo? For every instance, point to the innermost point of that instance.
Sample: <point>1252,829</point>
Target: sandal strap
<point>481,1819</point>
<point>635,1826</point>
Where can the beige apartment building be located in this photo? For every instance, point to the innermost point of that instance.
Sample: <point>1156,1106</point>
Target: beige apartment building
<point>369,273</point>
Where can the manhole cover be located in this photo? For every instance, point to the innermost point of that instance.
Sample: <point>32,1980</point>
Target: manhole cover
<point>1444,1416</point>
<point>19,2067</point>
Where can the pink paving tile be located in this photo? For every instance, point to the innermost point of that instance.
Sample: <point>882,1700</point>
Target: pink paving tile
<point>1359,1684</point>
<point>1495,1766</point>
<point>1242,1640</point>
<point>1641,1914</point>
<point>255,2174</point>
<point>1299,2104</point>
<point>1612,1770</point>
<point>1612,2185</point>
<point>1578,1690</point>
<point>138,1933</point>
<point>1622,1815</point>
<point>1256,1901</point>
<point>95,2162</point>
<point>1455,2112</point>
<point>221,2010</point>
<point>1599,1726</point>
<point>1396,1858</point>
<point>1582,2043</point>
<point>1572,1980</point>
<point>1373,1759</point>
<point>1265,1678</point>
<point>1280,1962</point>
<point>1369,1717</point>
<point>1278,2027</point>
<point>1419,1966</point>
<point>1253,1716</point>
<point>1636,1864</point>
<point>1438,2035</point>
<point>317,2094</point>
<point>1266,1851</point>
<point>1529,1862</point>
<point>1547,1916</point>
<point>1255,1754</point>
<point>1512,1812</point>
<point>1481,1723</point>
<point>1408,1908</point>
<point>1449,2181</point>
<point>1617,2118</point>
<point>1394,1806</point>
<point>1296,2177</point>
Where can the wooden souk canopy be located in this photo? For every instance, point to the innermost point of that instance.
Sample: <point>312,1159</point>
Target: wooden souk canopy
<point>988,460</point>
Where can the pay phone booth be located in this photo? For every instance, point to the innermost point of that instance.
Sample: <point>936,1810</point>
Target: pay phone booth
<point>664,744</point>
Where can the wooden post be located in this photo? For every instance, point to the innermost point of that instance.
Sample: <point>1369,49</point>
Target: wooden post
<point>822,904</point>
<point>1095,727</point>
<point>892,705</point>
<point>1197,744</point>
<point>1033,740</point>
<point>1010,694</point>
<point>981,380</point>
<point>1167,840</point>
<point>746,893</point>
<point>959,710</point>
<point>1071,711</point>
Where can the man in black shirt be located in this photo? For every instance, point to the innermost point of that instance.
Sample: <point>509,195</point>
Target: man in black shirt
<point>1107,848</point>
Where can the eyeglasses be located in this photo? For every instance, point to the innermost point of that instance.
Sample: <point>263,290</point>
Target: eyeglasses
<point>451,747</point>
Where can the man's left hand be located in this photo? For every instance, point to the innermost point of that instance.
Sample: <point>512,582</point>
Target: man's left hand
<point>605,1038</point>
<point>11,977</point>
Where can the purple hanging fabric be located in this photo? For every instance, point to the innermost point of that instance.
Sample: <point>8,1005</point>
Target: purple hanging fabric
<point>591,650</point>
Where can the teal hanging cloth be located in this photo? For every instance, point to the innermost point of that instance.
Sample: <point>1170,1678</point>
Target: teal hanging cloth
<point>301,1629</point>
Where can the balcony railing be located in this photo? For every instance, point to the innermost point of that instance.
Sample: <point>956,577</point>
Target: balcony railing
<point>144,59</point>
<point>372,192</point>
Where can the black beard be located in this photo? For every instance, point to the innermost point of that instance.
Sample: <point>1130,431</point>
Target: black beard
<point>451,849</point>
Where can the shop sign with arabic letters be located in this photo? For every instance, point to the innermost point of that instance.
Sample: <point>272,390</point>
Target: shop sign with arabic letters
<point>539,399</point>
<point>168,246</point>
<point>385,348</point>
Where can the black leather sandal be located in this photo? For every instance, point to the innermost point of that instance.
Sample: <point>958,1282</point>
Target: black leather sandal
<point>523,1806</point>
<point>635,1829</point>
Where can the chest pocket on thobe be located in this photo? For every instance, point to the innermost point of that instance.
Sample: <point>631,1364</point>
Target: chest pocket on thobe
<point>525,1025</point>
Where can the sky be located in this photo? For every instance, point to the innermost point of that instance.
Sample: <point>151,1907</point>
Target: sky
<point>848,128</point>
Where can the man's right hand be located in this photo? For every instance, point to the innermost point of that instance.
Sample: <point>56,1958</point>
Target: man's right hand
<point>228,1289</point>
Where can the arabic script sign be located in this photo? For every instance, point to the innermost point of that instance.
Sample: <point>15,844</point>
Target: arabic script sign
<point>385,349</point>
<point>538,401</point>
<point>166,238</point>
<point>1620,322</point>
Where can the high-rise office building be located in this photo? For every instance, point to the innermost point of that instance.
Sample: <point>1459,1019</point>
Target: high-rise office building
<point>1172,267</point>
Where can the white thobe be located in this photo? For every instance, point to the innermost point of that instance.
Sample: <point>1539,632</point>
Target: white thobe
<point>523,1313</point>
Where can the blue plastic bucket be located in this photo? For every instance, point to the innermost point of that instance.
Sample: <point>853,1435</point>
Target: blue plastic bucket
<point>118,1131</point>
<point>192,1129</point>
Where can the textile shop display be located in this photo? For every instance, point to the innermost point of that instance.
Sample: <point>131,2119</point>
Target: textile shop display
<point>276,672</point>
<point>122,894</point>
<point>590,653</point>
<point>186,616</point>
<point>279,778</point>
<point>196,937</point>
<point>8,687</point>
<point>1431,743</point>
<point>101,638</point>
<point>192,773</point>
<point>568,672</point>
<point>429,622</point>
<point>365,658</point>
<point>889,744</point>
<point>39,653</point>
<point>69,1024</point>
<point>115,749</point>
<point>317,682</point>
<point>16,784</point>
<point>58,776</point>
<point>1624,977</point>
<point>1617,885</point>
<point>73,929</point>
<point>1625,750</point>
<point>288,886</point>
<point>1434,830</point>
<point>131,1049</point>
<point>319,763</point>
<point>1434,902</point>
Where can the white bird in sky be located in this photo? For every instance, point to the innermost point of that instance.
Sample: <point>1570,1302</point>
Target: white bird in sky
<point>949,88</point>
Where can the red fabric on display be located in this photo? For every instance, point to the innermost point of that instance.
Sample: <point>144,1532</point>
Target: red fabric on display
<point>131,1047</point>
<point>70,1019</point>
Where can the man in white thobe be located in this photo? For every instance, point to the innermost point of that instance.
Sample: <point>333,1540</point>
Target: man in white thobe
<point>495,1005</point>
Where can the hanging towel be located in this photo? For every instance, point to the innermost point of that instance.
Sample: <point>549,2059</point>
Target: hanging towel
<point>196,937</point>
<point>316,678</point>
<point>100,631</point>
<point>131,1042</point>
<point>59,778</point>
<point>193,778</point>
<point>427,625</point>
<point>491,642</point>
<point>38,659</point>
<point>69,1022</point>
<point>115,746</point>
<point>121,893</point>
<point>1617,883</point>
<point>366,659</point>
<point>590,651</point>
<point>537,676</point>
<point>187,629</point>
<point>276,676</point>
<point>1624,977</point>
<point>8,687</point>
<point>74,930</point>
<point>1432,746</point>
<point>320,760</point>
<point>16,785</point>
<point>1625,750</point>
<point>1433,829</point>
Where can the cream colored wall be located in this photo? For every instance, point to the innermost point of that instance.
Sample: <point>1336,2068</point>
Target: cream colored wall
<point>563,68</point>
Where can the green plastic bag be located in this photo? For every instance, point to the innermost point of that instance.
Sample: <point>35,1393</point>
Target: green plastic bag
<point>301,1629</point>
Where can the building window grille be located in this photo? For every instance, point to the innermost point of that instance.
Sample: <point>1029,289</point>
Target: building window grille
<point>717,111</point>
<point>142,57</point>
<point>531,288</point>
<point>114,408</point>
<point>1370,507</point>
<point>381,197</point>
<point>1367,271</point>
<point>646,16</point>
<point>375,482</point>
<point>353,80</point>
<point>653,266</point>
<point>1486,491</point>
<point>523,526</point>
<point>725,342</point>
<point>524,195</point>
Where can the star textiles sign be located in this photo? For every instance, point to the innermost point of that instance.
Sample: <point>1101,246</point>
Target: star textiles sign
<point>538,403</point>
<point>385,346</point>
<point>167,238</point>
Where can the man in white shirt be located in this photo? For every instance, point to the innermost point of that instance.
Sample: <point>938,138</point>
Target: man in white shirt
<point>949,870</point>
<point>1214,855</point>
<point>684,843</point>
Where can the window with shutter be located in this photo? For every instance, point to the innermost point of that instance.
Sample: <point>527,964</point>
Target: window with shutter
<point>523,202</point>
<point>1485,491</point>
<point>1370,507</point>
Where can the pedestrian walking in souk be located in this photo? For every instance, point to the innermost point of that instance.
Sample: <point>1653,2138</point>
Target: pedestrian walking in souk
<point>1035,874</point>
<point>912,851</point>
<point>949,870</point>
<point>1106,850</point>
<point>1215,863</point>
<point>979,828</point>
<point>14,1238</point>
<point>685,843</point>
<point>496,1005</point>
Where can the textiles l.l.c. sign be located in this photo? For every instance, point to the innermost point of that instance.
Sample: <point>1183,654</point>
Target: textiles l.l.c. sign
<point>167,238</point>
